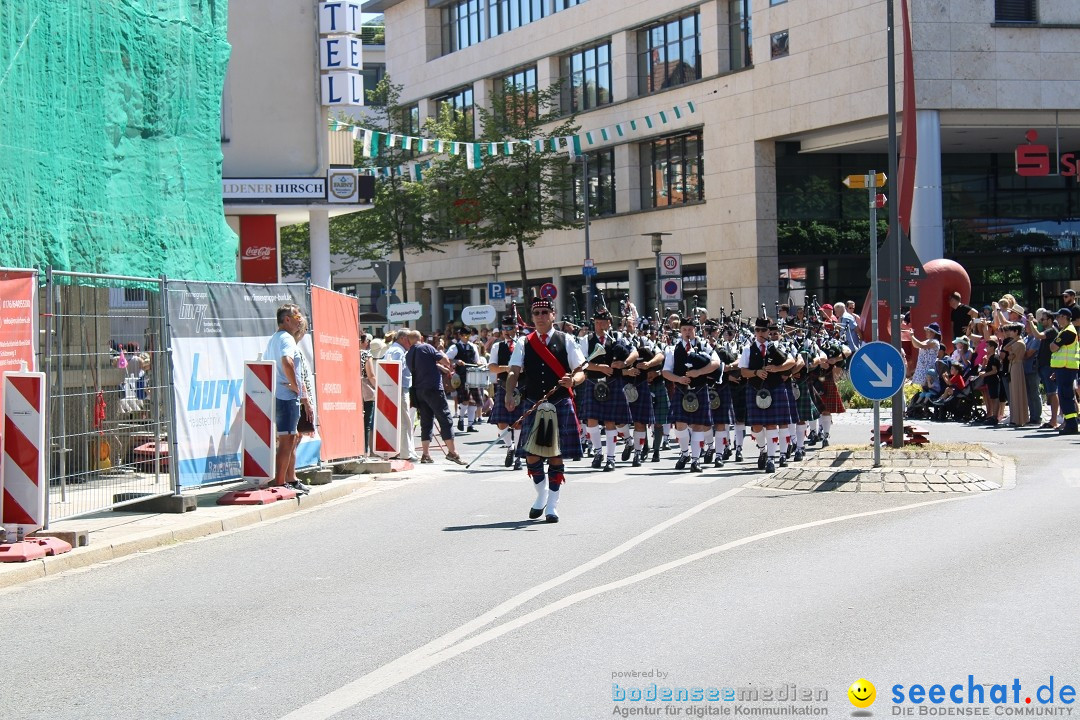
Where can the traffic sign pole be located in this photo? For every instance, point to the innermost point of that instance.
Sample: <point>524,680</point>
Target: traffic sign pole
<point>872,185</point>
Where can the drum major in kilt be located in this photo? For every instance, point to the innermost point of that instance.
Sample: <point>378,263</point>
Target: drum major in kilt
<point>569,436</point>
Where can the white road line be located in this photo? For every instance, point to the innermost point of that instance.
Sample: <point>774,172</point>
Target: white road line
<point>407,666</point>
<point>414,663</point>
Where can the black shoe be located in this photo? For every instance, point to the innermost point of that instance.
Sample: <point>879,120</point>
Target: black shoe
<point>708,456</point>
<point>637,459</point>
<point>656,455</point>
<point>738,454</point>
<point>718,462</point>
<point>473,428</point>
<point>509,457</point>
<point>798,455</point>
<point>517,463</point>
<point>761,459</point>
<point>628,450</point>
<point>665,446</point>
<point>609,465</point>
<point>790,451</point>
<point>783,461</point>
<point>727,453</point>
<point>812,438</point>
<point>552,518</point>
<point>460,425</point>
<point>680,464</point>
<point>1066,429</point>
<point>299,487</point>
<point>597,461</point>
<point>770,467</point>
<point>645,448</point>
<point>695,466</point>
<point>825,441</point>
<point>535,513</point>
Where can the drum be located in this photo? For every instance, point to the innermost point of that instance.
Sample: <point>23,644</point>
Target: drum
<point>478,377</point>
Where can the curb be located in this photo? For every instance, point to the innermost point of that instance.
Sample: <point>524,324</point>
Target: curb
<point>14,574</point>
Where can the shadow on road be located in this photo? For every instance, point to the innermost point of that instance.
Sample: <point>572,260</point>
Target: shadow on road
<point>507,525</point>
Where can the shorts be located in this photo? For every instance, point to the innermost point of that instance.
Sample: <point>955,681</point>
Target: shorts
<point>287,415</point>
<point>1049,384</point>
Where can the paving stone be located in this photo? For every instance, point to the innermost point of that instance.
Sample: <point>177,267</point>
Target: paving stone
<point>895,487</point>
<point>918,487</point>
<point>788,485</point>
<point>847,487</point>
<point>805,485</point>
<point>871,487</point>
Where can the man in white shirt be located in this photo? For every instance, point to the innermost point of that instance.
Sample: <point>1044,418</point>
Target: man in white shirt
<point>282,350</point>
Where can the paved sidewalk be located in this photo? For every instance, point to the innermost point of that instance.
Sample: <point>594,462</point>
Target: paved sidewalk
<point>115,534</point>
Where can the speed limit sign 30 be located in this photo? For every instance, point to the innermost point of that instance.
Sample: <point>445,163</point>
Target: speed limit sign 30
<point>671,264</point>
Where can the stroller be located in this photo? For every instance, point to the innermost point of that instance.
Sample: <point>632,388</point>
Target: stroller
<point>964,406</point>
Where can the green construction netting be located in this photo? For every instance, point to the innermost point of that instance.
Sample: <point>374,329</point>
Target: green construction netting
<point>110,137</point>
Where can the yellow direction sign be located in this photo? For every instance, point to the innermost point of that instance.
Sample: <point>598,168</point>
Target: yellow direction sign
<point>861,182</point>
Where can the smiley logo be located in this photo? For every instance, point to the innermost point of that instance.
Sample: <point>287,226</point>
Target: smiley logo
<point>862,693</point>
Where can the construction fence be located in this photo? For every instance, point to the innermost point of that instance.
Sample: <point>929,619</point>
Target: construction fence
<point>145,378</point>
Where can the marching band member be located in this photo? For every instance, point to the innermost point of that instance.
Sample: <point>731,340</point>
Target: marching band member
<point>687,364</point>
<point>501,352</point>
<point>766,405</point>
<point>602,399</point>
<point>464,354</point>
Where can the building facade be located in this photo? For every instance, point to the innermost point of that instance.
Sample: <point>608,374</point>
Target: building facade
<point>790,97</point>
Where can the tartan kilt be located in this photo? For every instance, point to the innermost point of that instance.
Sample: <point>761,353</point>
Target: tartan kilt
<point>661,402</point>
<point>738,402</point>
<point>615,409</point>
<point>793,412</point>
<point>830,399</point>
<point>804,404</point>
<point>703,416</point>
<point>779,413</point>
<point>499,413</point>
<point>642,410</point>
<point>725,414</point>
<point>467,394</point>
<point>569,437</point>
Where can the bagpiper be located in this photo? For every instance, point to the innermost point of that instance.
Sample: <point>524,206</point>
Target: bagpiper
<point>499,366</point>
<point>552,365</point>
<point>602,399</point>
<point>688,364</point>
<point>464,354</point>
<point>763,364</point>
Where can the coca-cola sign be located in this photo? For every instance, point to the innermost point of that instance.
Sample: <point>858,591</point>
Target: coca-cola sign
<point>257,253</point>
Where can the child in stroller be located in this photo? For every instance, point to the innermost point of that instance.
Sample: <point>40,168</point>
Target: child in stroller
<point>958,402</point>
<point>921,405</point>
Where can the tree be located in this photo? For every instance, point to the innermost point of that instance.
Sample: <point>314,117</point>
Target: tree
<point>513,198</point>
<point>397,224</point>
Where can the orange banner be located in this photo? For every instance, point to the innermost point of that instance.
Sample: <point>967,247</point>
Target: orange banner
<point>18,320</point>
<point>336,339</point>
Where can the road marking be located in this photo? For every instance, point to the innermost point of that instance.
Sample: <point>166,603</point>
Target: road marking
<point>447,647</point>
<point>406,666</point>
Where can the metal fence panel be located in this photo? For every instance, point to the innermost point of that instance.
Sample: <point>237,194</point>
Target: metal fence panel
<point>104,352</point>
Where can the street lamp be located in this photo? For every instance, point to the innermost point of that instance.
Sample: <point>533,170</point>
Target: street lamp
<point>657,246</point>
<point>588,278</point>
<point>496,258</point>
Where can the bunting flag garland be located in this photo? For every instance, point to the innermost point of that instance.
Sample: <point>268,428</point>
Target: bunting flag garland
<point>474,152</point>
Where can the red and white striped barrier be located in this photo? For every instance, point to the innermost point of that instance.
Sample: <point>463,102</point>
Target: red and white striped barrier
<point>260,422</point>
<point>387,407</point>
<point>23,481</point>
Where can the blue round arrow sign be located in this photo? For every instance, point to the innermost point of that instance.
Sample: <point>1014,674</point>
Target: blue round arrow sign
<point>877,370</point>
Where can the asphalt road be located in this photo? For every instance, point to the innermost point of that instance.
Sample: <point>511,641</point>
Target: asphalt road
<point>436,598</point>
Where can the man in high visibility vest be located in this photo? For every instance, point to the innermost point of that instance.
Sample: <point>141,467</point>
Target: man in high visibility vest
<point>1064,363</point>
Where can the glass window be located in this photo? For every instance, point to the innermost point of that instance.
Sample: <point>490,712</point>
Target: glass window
<point>1015,11</point>
<point>518,93</point>
<point>373,73</point>
<point>778,44</point>
<point>669,54</point>
<point>740,35</point>
<point>461,101</point>
<point>672,170</point>
<point>410,120</point>
<point>461,26</point>
<point>586,78</point>
<point>601,185</point>
<point>563,4</point>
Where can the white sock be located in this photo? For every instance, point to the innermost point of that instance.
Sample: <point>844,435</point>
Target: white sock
<point>471,410</point>
<point>683,436</point>
<point>552,501</point>
<point>667,430</point>
<point>815,425</point>
<point>774,440</point>
<point>697,443</point>
<point>710,437</point>
<point>792,429</point>
<point>624,430</point>
<point>541,494</point>
<point>610,436</point>
<point>508,439</point>
<point>594,437</point>
<point>761,439</point>
<point>781,441</point>
<point>826,424</point>
<point>639,439</point>
<point>800,436</point>
<point>740,435</point>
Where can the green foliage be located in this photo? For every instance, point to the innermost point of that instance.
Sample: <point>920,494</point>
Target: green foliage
<point>855,401</point>
<point>512,199</point>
